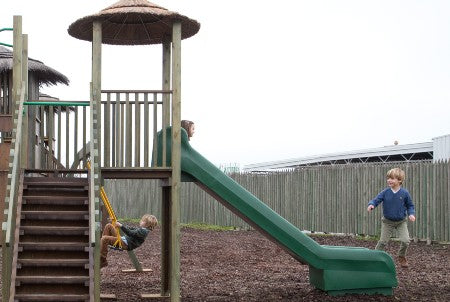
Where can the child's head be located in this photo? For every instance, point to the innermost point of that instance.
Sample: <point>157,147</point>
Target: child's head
<point>189,127</point>
<point>396,173</point>
<point>148,221</point>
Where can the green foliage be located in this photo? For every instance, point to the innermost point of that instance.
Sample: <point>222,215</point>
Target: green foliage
<point>129,220</point>
<point>207,227</point>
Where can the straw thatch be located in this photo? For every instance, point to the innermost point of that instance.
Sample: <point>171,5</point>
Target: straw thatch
<point>45,75</point>
<point>133,22</point>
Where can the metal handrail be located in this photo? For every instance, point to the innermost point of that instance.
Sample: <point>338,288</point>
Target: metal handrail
<point>57,103</point>
<point>16,140</point>
<point>4,29</point>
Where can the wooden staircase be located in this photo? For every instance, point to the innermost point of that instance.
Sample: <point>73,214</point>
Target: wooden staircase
<point>52,259</point>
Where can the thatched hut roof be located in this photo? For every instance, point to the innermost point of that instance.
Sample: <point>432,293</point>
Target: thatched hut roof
<point>134,22</point>
<point>46,75</point>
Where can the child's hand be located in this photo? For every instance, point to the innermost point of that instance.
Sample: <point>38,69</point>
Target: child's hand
<point>118,224</point>
<point>370,208</point>
<point>412,218</point>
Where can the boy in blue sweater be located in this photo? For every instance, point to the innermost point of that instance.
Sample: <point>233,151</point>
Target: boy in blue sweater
<point>397,208</point>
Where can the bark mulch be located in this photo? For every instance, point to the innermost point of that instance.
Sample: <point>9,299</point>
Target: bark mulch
<point>245,266</point>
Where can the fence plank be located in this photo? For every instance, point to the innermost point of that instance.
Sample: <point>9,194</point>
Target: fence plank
<point>330,199</point>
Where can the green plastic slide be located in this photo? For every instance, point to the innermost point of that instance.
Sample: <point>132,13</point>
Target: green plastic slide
<point>336,270</point>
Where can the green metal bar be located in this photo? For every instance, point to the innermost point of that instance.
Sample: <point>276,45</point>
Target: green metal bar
<point>57,103</point>
<point>5,44</point>
<point>3,29</point>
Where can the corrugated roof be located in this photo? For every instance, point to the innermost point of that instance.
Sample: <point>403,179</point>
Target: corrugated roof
<point>393,150</point>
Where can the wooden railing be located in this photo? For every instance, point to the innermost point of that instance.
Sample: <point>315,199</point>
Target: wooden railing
<point>63,130</point>
<point>131,119</point>
<point>12,193</point>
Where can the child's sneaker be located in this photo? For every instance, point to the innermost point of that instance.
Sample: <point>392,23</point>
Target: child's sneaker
<point>403,261</point>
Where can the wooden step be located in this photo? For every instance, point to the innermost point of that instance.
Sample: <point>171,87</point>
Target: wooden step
<point>52,279</point>
<point>59,215</point>
<point>54,246</point>
<point>51,297</point>
<point>62,198</point>
<point>53,262</point>
<point>54,230</point>
<point>55,182</point>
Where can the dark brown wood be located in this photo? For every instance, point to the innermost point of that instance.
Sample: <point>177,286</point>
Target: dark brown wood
<point>136,173</point>
<point>52,256</point>
<point>165,240</point>
<point>6,122</point>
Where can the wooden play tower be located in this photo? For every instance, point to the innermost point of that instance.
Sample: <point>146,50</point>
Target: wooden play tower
<point>118,131</point>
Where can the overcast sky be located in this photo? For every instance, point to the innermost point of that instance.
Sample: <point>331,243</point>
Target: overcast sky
<point>271,80</point>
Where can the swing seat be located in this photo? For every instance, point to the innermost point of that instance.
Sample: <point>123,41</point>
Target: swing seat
<point>113,247</point>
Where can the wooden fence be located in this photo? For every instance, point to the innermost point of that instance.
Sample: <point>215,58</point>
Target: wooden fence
<point>322,199</point>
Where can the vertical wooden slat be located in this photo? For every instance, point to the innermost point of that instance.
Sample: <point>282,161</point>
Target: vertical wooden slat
<point>113,135</point>
<point>137,131</point>
<point>119,137</point>
<point>84,136</point>
<point>128,132</point>
<point>155,129</point>
<point>165,97</point>
<point>42,135</point>
<point>146,131</point>
<point>50,137</point>
<point>107,131</point>
<point>75,134</point>
<point>59,141</point>
<point>122,135</point>
<point>67,135</point>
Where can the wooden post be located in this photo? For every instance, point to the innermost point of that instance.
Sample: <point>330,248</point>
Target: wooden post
<point>24,144</point>
<point>176,164</point>
<point>165,239</point>
<point>165,96</point>
<point>17,61</point>
<point>97,79</point>
<point>96,98</point>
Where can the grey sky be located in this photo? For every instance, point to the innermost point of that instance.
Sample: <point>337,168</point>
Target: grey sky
<point>269,80</point>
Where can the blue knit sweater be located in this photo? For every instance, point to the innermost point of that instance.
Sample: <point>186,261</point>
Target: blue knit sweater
<point>395,205</point>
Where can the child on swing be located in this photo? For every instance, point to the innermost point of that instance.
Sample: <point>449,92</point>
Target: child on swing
<point>134,237</point>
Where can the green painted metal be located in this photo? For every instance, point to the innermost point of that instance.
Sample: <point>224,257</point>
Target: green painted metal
<point>6,29</point>
<point>336,270</point>
<point>57,103</point>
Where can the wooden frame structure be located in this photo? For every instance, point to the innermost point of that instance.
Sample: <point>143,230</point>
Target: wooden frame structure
<point>170,234</point>
<point>112,126</point>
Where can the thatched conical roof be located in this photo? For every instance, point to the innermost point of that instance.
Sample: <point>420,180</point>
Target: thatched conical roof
<point>133,22</point>
<point>46,75</point>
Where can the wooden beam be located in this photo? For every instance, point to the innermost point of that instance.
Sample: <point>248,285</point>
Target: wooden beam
<point>176,164</point>
<point>6,122</point>
<point>24,143</point>
<point>166,97</point>
<point>96,98</point>
<point>97,78</point>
